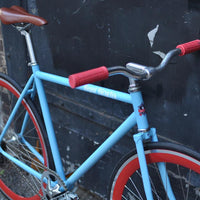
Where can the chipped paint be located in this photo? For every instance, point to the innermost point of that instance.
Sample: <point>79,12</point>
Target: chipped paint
<point>71,167</point>
<point>79,8</point>
<point>161,54</point>
<point>151,35</point>
<point>68,148</point>
<point>95,143</point>
<point>76,11</point>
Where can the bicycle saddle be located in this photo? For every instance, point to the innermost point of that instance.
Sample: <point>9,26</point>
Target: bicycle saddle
<point>17,14</point>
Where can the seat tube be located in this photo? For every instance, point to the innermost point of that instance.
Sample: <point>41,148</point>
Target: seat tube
<point>49,125</point>
<point>44,107</point>
<point>143,133</point>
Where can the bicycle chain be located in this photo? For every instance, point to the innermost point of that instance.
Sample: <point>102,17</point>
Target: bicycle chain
<point>54,174</point>
<point>34,190</point>
<point>47,169</point>
<point>44,168</point>
<point>22,175</point>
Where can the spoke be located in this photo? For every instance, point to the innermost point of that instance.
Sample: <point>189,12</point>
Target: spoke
<point>18,150</point>
<point>132,192</point>
<point>18,115</point>
<point>29,185</point>
<point>31,137</point>
<point>124,197</point>
<point>34,181</point>
<point>154,188</point>
<point>12,152</point>
<point>188,185</point>
<point>11,102</point>
<point>27,132</point>
<point>135,187</point>
<point>158,173</point>
<point>32,160</point>
<point>181,182</point>
<point>36,164</point>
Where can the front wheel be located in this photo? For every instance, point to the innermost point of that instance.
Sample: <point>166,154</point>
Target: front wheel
<point>182,165</point>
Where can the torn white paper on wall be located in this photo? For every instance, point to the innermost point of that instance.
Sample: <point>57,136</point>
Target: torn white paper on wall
<point>151,35</point>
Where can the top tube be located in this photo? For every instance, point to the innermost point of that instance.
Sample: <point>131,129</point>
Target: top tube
<point>94,89</point>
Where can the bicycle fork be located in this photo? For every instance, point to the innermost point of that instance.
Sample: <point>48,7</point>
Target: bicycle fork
<point>139,139</point>
<point>146,134</point>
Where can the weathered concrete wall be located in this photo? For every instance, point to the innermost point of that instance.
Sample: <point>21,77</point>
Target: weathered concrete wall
<point>85,34</point>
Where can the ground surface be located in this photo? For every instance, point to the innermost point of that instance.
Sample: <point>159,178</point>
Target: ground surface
<point>82,193</point>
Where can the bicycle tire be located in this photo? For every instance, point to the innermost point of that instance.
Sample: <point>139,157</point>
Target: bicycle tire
<point>15,183</point>
<point>183,167</point>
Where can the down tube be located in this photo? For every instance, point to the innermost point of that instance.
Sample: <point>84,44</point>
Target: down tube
<point>110,141</point>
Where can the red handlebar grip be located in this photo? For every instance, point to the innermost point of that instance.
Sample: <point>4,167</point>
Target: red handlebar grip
<point>89,76</point>
<point>189,47</point>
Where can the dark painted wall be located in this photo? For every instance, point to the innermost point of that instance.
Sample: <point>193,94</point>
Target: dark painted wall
<point>84,34</point>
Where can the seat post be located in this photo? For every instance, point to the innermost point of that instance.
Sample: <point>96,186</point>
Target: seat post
<point>30,47</point>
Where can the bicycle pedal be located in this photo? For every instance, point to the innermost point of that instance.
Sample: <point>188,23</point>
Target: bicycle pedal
<point>66,196</point>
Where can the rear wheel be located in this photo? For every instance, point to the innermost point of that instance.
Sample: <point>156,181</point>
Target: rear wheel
<point>15,182</point>
<point>183,168</point>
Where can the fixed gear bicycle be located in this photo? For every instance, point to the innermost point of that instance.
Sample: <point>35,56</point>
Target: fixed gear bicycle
<point>29,151</point>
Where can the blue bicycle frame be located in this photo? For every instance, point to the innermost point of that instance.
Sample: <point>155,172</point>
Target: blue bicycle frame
<point>138,118</point>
